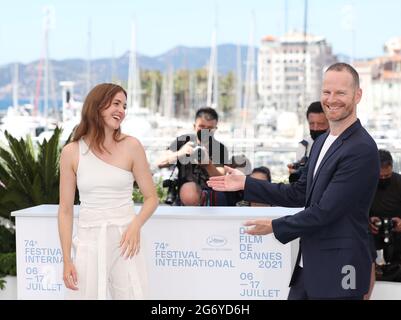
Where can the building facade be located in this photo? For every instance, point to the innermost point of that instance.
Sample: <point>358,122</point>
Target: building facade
<point>380,106</point>
<point>290,70</point>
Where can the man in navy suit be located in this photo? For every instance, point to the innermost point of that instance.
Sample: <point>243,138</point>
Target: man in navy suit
<point>336,190</point>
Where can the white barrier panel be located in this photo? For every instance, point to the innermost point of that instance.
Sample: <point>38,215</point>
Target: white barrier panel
<point>191,253</point>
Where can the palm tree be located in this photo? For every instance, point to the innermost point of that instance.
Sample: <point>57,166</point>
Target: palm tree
<point>28,177</point>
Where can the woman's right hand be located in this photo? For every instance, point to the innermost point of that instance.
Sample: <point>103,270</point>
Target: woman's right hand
<point>70,276</point>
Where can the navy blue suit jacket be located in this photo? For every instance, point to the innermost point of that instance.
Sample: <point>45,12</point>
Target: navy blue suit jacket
<point>333,227</point>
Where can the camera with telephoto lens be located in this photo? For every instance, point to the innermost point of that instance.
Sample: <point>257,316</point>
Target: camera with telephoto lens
<point>390,270</point>
<point>172,190</point>
<point>385,226</point>
<point>298,166</point>
<point>199,155</point>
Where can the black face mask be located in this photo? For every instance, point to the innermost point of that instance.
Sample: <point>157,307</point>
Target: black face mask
<point>210,135</point>
<point>384,183</point>
<point>316,133</point>
<point>199,134</point>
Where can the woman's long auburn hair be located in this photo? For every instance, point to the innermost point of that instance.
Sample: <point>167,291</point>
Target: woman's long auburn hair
<point>92,123</point>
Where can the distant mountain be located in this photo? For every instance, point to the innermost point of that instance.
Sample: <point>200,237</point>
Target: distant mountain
<point>341,57</point>
<point>180,57</point>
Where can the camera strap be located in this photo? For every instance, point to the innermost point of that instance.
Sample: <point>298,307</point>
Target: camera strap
<point>172,171</point>
<point>305,144</point>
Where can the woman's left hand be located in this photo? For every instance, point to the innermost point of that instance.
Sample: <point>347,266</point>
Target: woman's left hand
<point>130,240</point>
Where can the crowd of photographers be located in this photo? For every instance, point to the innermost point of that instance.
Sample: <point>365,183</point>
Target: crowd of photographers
<point>385,220</point>
<point>198,155</point>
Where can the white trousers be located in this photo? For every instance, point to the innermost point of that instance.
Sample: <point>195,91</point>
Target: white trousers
<point>102,272</point>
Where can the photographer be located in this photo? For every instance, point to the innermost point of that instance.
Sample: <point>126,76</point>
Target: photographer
<point>236,198</point>
<point>261,173</point>
<point>318,125</point>
<point>241,162</point>
<point>387,205</point>
<point>197,156</point>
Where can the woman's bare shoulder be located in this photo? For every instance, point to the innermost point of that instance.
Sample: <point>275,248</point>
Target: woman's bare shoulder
<point>70,150</point>
<point>131,141</point>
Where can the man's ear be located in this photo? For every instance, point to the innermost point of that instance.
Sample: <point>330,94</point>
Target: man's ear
<point>358,95</point>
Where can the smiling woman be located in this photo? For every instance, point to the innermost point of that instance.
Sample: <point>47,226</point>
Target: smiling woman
<point>115,111</point>
<point>102,162</point>
<point>103,110</point>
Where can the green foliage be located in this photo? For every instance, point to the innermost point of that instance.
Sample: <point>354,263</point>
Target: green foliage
<point>137,197</point>
<point>8,265</point>
<point>7,240</point>
<point>148,80</point>
<point>29,177</point>
<point>183,79</point>
<point>161,192</point>
<point>227,92</point>
<point>2,284</point>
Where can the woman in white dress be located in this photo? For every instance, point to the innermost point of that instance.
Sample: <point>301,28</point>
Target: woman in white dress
<point>103,162</point>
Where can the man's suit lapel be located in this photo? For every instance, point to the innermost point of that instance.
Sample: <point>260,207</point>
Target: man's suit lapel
<point>311,180</point>
<point>333,148</point>
<point>317,145</point>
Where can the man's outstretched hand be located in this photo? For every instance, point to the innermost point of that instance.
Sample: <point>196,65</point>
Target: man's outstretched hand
<point>234,180</point>
<point>259,227</point>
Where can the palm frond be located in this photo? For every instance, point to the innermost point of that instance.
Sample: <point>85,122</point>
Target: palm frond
<point>29,178</point>
<point>48,162</point>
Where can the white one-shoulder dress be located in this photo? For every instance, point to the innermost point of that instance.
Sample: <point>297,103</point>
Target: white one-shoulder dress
<point>106,209</point>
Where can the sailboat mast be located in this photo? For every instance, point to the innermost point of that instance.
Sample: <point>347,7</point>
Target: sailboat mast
<point>192,94</point>
<point>212,74</point>
<point>305,82</point>
<point>15,86</point>
<point>89,57</point>
<point>134,89</point>
<point>170,93</point>
<point>250,85</point>
<point>46,70</point>
<point>239,81</point>
<point>113,64</point>
<point>153,97</point>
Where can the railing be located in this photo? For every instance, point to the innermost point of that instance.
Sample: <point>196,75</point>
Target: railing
<point>275,159</point>
<point>2,113</point>
<point>274,154</point>
<point>258,152</point>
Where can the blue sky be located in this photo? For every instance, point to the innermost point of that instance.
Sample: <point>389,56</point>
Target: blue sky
<point>163,24</point>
